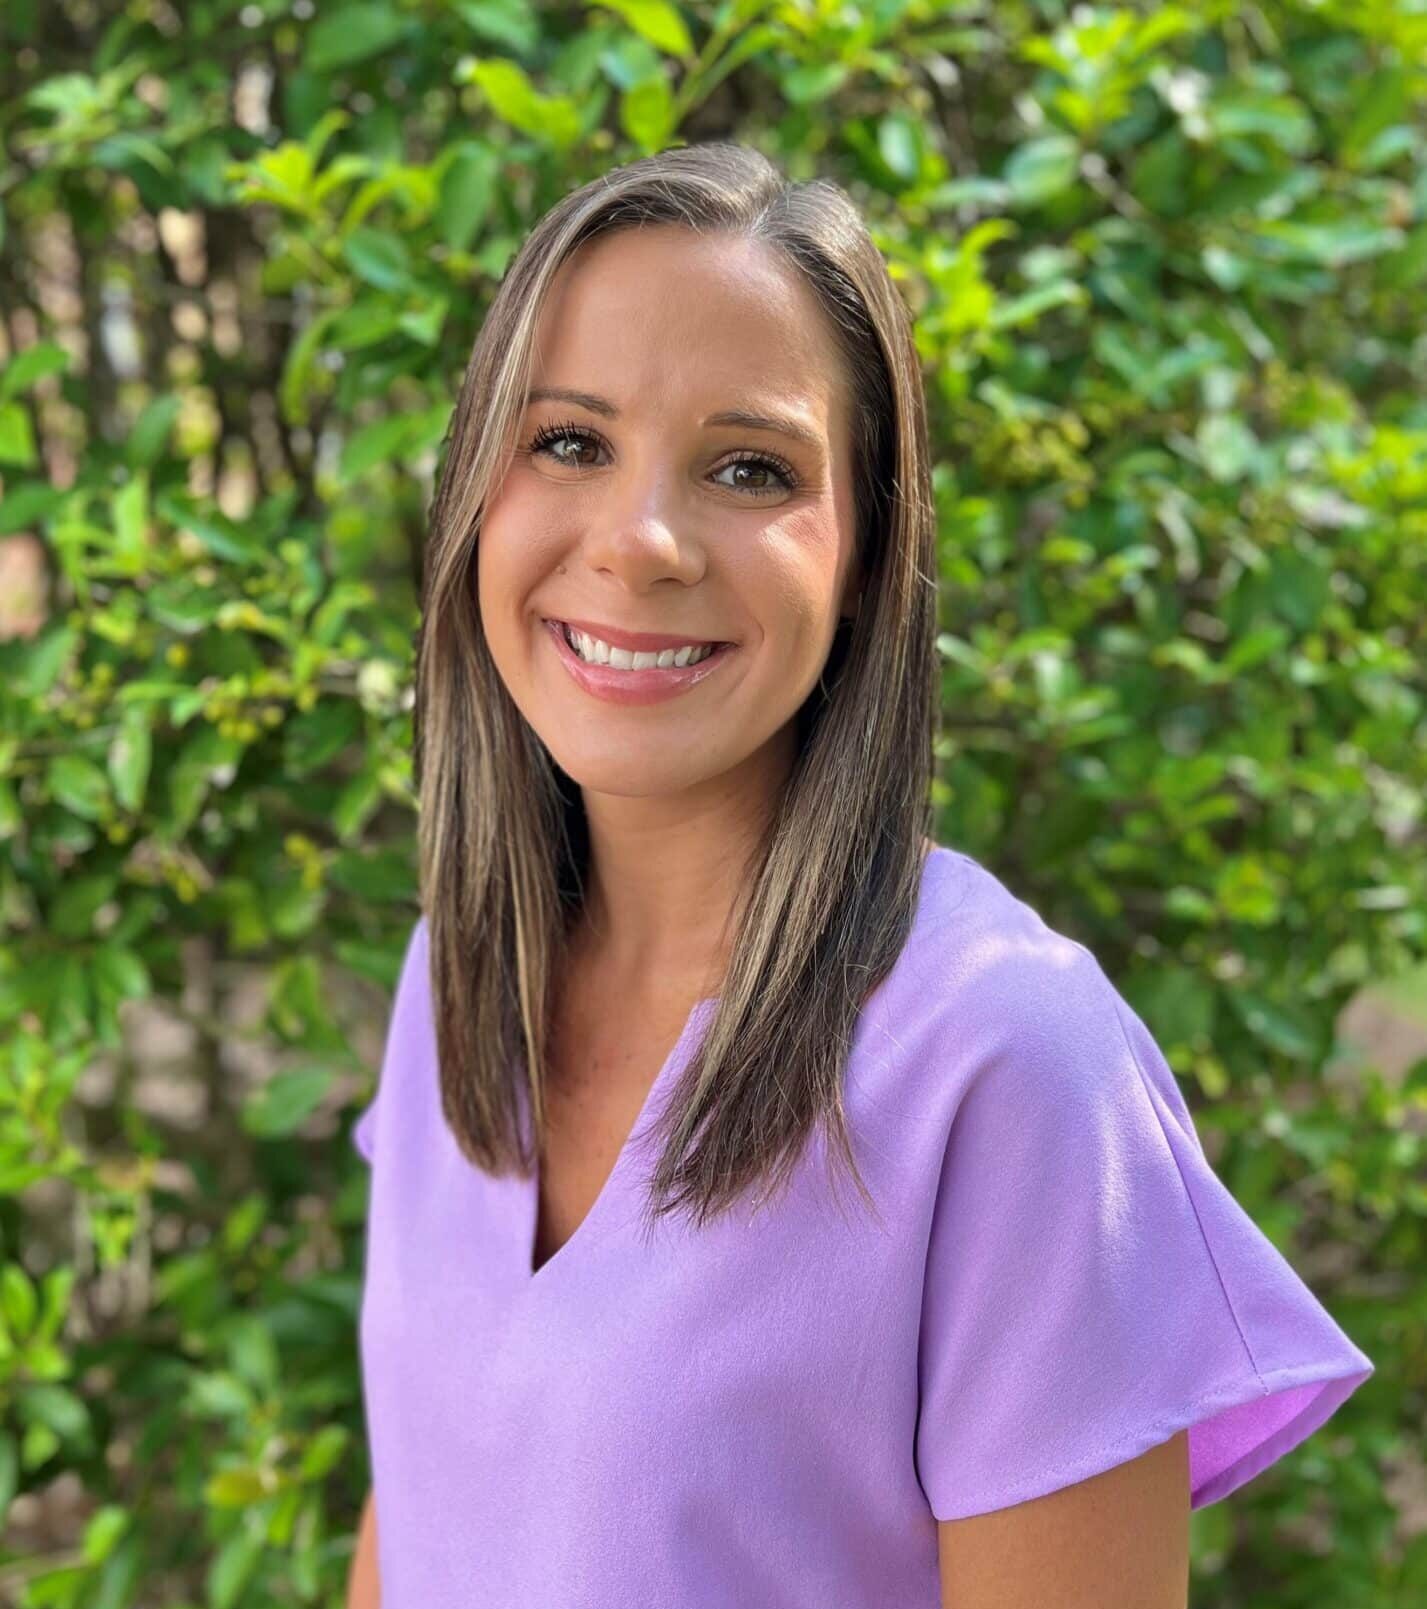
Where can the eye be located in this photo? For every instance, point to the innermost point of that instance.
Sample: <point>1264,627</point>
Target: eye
<point>548,436</point>
<point>774,466</point>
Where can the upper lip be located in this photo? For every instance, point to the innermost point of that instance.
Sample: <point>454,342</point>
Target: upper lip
<point>635,641</point>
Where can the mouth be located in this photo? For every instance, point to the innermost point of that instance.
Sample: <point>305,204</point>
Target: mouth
<point>634,642</point>
<point>623,682</point>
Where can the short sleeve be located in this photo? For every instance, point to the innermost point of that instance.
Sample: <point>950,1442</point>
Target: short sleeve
<point>411,991</point>
<point>1092,1287</point>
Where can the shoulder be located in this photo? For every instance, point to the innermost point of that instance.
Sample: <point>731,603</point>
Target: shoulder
<point>985,964</point>
<point>418,941</point>
<point>988,995</point>
<point>411,1013</point>
<point>416,952</point>
<point>410,1041</point>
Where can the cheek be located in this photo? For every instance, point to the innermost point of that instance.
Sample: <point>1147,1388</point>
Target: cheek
<point>791,576</point>
<point>513,552</point>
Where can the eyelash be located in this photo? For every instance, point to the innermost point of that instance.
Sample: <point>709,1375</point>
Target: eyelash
<point>780,466</point>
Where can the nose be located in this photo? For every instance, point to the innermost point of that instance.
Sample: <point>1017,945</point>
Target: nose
<point>638,529</point>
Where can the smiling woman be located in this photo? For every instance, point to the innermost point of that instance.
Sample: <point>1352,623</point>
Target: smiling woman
<point>688,960</point>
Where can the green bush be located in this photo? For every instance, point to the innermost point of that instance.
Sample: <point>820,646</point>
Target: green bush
<point>1168,267</point>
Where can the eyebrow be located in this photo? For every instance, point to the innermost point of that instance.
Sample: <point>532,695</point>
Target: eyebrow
<point>782,424</point>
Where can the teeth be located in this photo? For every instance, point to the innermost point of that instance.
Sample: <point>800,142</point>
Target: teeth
<point>595,652</point>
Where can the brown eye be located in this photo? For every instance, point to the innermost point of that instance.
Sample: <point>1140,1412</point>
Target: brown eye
<point>787,482</point>
<point>548,434</point>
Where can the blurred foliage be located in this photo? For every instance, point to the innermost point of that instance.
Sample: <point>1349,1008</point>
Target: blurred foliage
<point>1168,266</point>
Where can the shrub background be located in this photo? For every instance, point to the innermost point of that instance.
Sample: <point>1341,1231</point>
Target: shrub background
<point>1168,268</point>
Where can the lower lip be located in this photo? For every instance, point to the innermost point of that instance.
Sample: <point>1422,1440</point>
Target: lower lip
<point>647,686</point>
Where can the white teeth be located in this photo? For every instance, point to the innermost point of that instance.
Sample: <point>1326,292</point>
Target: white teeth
<point>595,652</point>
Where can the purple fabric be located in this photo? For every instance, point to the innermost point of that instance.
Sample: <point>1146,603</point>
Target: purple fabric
<point>777,1410</point>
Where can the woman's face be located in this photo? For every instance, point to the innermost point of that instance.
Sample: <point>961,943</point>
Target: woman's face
<point>641,512</point>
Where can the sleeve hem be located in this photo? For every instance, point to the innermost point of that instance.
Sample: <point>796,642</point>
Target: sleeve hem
<point>1337,1383</point>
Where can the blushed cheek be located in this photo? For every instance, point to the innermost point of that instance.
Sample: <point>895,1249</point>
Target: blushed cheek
<point>809,551</point>
<point>500,586</point>
<point>518,553</point>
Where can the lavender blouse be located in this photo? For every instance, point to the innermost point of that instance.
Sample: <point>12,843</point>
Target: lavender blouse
<point>776,1411</point>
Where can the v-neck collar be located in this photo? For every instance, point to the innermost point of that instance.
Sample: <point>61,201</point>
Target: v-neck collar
<point>528,1218</point>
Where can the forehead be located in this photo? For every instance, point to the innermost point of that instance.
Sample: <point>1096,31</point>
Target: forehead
<point>661,319</point>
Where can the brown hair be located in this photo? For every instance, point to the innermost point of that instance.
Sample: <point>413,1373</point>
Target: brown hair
<point>832,887</point>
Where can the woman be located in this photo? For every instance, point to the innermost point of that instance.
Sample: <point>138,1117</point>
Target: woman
<point>688,963</point>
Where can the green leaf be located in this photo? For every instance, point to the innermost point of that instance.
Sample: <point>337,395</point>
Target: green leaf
<point>1160,171</point>
<point>1042,169</point>
<point>646,113</point>
<point>658,22</point>
<point>253,1353</point>
<point>1176,1002</point>
<point>1254,647</point>
<point>233,1565</point>
<point>46,357</point>
<point>17,437</point>
<point>379,258</point>
<point>9,1472</point>
<point>219,1395</point>
<point>18,1301</point>
<point>322,1453</point>
<point>121,973</point>
<point>151,431</point>
<point>316,735</point>
<point>366,322</point>
<point>425,323</point>
<point>26,506</point>
<point>1239,112</point>
<point>76,902</point>
<point>351,32</point>
<point>301,379</point>
<point>399,436</point>
<point>382,874</point>
<point>1028,307</point>
<point>78,785</point>
<point>1382,100</point>
<point>810,82</point>
<point>286,1101</point>
<point>60,1410</point>
<point>236,1488</point>
<point>10,815</point>
<point>1331,245</point>
<point>1227,446</point>
<point>515,100</point>
<point>56,1289</point>
<point>103,1531</point>
<point>243,1223</point>
<point>467,189</point>
<point>355,805</point>
<point>511,23</point>
<point>224,538</point>
<point>131,518</point>
<point>899,143</point>
<point>1281,1028</point>
<point>1299,588</point>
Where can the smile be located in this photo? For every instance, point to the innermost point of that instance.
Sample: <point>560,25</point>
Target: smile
<point>625,676</point>
<point>595,651</point>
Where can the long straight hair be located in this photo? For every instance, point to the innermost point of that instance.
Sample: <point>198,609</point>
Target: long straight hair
<point>831,887</point>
